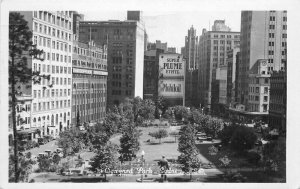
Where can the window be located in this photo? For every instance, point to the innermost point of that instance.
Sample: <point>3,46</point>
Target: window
<point>272,18</point>
<point>265,90</point>
<point>215,42</point>
<point>35,40</point>
<point>256,98</point>
<point>284,35</point>
<point>284,27</point>
<point>284,18</point>
<point>271,52</point>
<point>256,89</point>
<point>271,27</point>
<point>271,43</point>
<point>271,35</point>
<point>266,80</point>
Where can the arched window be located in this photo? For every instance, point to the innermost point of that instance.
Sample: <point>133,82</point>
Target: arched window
<point>34,120</point>
<point>65,117</point>
<point>48,117</point>
<point>56,120</point>
<point>52,119</point>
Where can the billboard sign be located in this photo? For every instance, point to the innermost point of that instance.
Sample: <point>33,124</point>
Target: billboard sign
<point>171,75</point>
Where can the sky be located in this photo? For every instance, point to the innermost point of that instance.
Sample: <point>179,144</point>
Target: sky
<point>172,26</point>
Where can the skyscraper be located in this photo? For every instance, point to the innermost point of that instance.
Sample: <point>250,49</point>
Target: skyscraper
<point>191,57</point>
<point>213,47</point>
<point>51,106</point>
<point>125,40</point>
<point>263,36</point>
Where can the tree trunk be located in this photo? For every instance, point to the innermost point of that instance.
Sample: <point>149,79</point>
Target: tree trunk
<point>13,107</point>
<point>190,176</point>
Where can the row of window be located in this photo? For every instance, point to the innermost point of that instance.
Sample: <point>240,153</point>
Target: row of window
<point>55,69</point>
<point>271,52</point>
<point>24,120</point>
<point>54,93</point>
<point>87,52</point>
<point>52,31</point>
<point>23,107</point>
<point>272,35</point>
<point>59,21</point>
<point>43,106</point>
<point>88,64</point>
<point>119,92</point>
<point>39,119</point>
<point>227,36</point>
<point>118,84</point>
<point>46,42</point>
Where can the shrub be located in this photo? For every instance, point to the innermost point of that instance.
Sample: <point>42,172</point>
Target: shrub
<point>243,139</point>
<point>253,158</point>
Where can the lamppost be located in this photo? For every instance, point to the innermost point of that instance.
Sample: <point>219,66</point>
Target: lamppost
<point>142,163</point>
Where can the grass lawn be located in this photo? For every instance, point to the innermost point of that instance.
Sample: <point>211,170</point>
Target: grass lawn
<point>153,149</point>
<point>235,162</point>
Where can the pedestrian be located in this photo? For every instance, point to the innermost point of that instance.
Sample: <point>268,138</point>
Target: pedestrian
<point>164,165</point>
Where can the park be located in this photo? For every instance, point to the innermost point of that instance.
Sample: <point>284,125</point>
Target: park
<point>131,142</point>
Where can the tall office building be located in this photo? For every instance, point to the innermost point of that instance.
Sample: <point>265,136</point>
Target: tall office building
<point>151,70</point>
<point>277,110</point>
<point>233,57</point>
<point>213,47</point>
<point>125,59</point>
<point>263,36</point>
<point>89,82</point>
<point>51,106</point>
<point>191,57</point>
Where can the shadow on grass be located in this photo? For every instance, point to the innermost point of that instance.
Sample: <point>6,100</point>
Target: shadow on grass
<point>169,142</point>
<point>89,180</point>
<point>178,179</point>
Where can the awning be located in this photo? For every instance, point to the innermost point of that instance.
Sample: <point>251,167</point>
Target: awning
<point>30,130</point>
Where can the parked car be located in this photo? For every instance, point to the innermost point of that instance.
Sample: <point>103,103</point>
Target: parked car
<point>42,141</point>
<point>67,173</point>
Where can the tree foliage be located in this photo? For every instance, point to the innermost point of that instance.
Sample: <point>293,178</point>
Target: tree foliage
<point>274,153</point>
<point>105,159</point>
<point>227,133</point>
<point>129,143</point>
<point>24,168</point>
<point>70,141</point>
<point>161,133</point>
<point>243,139</point>
<point>188,150</point>
<point>21,49</point>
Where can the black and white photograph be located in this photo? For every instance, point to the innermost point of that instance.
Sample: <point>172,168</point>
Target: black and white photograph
<point>160,92</point>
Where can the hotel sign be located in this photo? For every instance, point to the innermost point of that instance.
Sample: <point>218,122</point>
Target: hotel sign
<point>171,75</point>
<point>171,65</point>
<point>90,72</point>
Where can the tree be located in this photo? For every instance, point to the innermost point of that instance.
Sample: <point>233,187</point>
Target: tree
<point>129,143</point>
<point>227,133</point>
<point>161,133</point>
<point>188,150</point>
<point>21,49</point>
<point>44,163</point>
<point>70,141</point>
<point>25,167</point>
<point>243,139</point>
<point>105,159</point>
<point>78,119</point>
<point>213,127</point>
<point>161,106</point>
<point>274,155</point>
